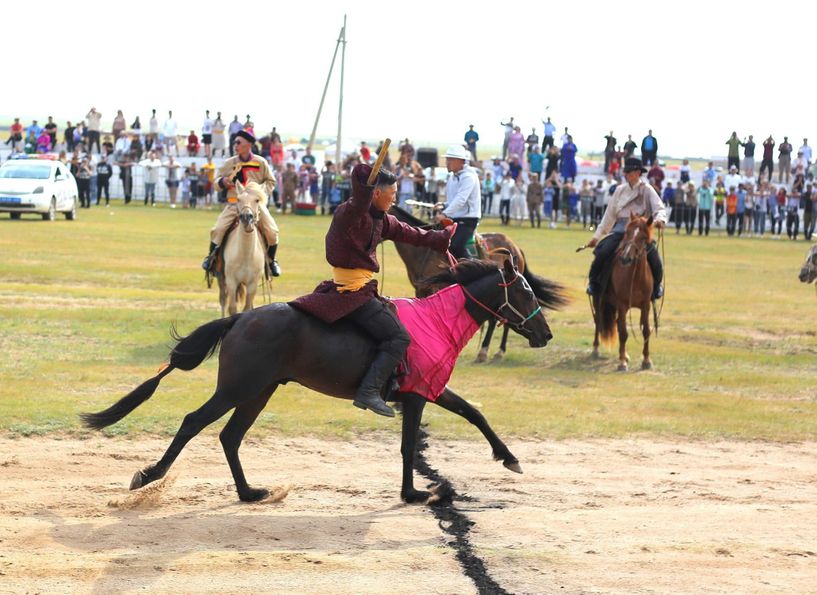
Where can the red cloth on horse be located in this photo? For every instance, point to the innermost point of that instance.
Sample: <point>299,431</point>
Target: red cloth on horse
<point>440,327</point>
<point>351,243</point>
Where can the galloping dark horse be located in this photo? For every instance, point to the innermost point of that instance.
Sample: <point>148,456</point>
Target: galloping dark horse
<point>422,263</point>
<point>275,344</point>
<point>630,286</point>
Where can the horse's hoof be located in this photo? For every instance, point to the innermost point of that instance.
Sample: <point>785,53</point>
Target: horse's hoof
<point>646,365</point>
<point>482,357</point>
<point>415,497</point>
<point>513,466</point>
<point>138,480</point>
<point>253,495</point>
<point>595,354</point>
<point>498,356</point>
<point>621,368</point>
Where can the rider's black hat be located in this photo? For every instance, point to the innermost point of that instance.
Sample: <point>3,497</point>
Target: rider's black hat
<point>632,164</point>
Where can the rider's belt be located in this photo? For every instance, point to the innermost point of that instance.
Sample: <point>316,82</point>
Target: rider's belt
<point>351,279</point>
<point>466,220</point>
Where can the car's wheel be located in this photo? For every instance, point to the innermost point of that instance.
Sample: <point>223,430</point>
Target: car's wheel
<point>14,215</point>
<point>72,214</point>
<point>51,215</point>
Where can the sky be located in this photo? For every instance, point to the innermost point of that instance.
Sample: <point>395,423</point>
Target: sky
<point>691,71</point>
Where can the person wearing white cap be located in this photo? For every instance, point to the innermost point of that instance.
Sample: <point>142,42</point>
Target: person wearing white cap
<point>463,201</point>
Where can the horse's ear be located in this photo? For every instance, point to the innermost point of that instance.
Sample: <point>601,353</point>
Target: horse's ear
<point>649,221</point>
<point>510,269</point>
<point>239,187</point>
<point>632,216</point>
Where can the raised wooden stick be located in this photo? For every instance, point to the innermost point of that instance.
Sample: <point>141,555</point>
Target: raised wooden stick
<point>379,163</point>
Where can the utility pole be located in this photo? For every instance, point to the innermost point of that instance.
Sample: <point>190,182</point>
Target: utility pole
<point>341,43</point>
<point>340,101</point>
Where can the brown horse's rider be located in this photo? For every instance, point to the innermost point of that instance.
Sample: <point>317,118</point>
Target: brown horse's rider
<point>634,197</point>
<point>358,226</point>
<point>244,167</point>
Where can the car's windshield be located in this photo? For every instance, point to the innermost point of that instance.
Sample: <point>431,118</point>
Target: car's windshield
<point>29,171</point>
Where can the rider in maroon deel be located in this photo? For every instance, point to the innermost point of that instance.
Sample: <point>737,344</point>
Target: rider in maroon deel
<point>358,226</point>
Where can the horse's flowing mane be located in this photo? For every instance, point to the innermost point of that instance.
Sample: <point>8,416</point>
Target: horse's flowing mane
<point>407,217</point>
<point>465,272</point>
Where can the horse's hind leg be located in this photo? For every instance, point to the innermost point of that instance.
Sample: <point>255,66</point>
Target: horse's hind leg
<point>193,423</point>
<point>503,345</point>
<point>482,356</point>
<point>623,360</point>
<point>646,363</point>
<point>452,402</point>
<point>231,436</point>
<point>596,318</point>
<point>413,406</point>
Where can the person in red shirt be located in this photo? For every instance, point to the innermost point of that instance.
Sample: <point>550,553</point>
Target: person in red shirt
<point>15,135</point>
<point>365,152</point>
<point>731,210</point>
<point>192,144</point>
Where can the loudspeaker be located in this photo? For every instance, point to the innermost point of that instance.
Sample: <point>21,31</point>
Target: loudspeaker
<point>427,157</point>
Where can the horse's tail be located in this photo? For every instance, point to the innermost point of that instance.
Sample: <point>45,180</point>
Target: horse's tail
<point>188,353</point>
<point>608,329</point>
<point>551,295</point>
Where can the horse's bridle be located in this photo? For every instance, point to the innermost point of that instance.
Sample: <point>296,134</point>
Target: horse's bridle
<point>253,221</point>
<point>519,325</point>
<point>626,260</point>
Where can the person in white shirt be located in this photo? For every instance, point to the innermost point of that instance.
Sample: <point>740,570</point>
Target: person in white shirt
<point>169,129</point>
<point>151,165</point>
<point>806,150</point>
<point>207,133</point>
<point>733,178</point>
<point>218,135</point>
<point>635,196</point>
<point>463,199</point>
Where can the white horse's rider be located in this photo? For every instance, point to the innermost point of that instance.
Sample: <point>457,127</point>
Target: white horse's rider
<point>244,167</point>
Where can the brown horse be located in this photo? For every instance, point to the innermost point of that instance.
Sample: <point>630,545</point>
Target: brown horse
<point>630,286</point>
<point>423,263</point>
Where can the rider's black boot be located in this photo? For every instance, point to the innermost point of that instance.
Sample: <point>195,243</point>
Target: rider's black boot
<point>208,261</point>
<point>274,266</point>
<point>368,394</point>
<point>657,268</point>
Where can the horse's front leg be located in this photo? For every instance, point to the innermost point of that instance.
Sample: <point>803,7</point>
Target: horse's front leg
<point>623,360</point>
<point>413,406</point>
<point>231,289</point>
<point>503,345</point>
<point>252,288</point>
<point>482,356</point>
<point>453,402</point>
<point>646,363</point>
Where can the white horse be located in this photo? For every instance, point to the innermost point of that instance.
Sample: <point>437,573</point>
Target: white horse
<point>808,272</point>
<point>242,253</point>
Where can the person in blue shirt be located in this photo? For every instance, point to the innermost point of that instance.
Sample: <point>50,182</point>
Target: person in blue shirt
<point>536,161</point>
<point>649,149</point>
<point>471,138</point>
<point>35,128</point>
<point>550,130</point>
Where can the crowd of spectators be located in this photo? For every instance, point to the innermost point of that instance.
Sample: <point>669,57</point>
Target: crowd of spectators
<point>534,179</point>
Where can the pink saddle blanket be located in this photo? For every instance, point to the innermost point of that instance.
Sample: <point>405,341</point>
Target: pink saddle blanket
<point>440,327</point>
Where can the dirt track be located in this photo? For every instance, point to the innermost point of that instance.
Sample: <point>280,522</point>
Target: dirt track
<point>596,516</point>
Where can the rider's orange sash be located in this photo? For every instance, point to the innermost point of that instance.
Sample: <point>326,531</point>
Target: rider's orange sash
<point>351,279</point>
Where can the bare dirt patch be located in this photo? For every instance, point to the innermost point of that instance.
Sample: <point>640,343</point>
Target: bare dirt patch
<point>612,516</point>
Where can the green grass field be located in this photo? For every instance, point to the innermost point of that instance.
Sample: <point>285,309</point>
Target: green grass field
<point>85,309</point>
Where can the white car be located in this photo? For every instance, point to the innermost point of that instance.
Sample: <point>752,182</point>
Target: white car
<point>37,185</point>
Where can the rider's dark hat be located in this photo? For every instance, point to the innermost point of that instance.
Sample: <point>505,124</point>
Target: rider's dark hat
<point>246,136</point>
<point>632,164</point>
